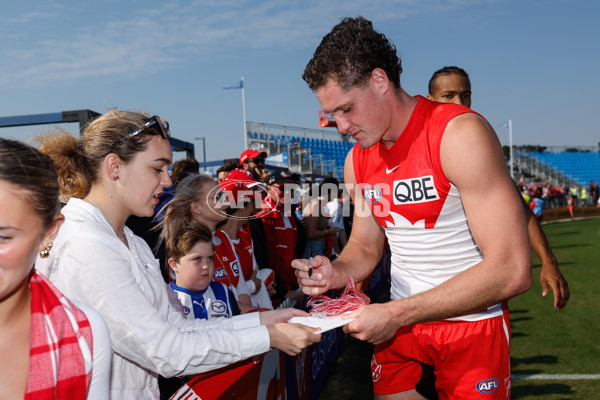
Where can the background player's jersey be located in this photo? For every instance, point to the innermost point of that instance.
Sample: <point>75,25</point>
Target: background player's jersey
<point>420,210</point>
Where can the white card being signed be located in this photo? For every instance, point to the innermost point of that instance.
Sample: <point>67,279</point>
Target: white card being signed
<point>325,323</point>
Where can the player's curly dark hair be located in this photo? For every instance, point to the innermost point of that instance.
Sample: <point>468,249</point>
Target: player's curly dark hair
<point>349,53</point>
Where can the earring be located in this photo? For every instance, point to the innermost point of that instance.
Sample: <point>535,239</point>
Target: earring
<point>46,252</point>
<point>116,177</point>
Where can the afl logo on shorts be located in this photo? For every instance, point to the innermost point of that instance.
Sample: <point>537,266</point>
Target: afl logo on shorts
<point>372,194</point>
<point>487,386</point>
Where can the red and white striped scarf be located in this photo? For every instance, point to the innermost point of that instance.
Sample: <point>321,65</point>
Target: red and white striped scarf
<point>60,361</point>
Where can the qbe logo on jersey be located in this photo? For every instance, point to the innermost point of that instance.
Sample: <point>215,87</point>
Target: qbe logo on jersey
<point>415,190</point>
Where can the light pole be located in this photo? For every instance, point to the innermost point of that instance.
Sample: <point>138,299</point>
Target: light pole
<point>203,149</point>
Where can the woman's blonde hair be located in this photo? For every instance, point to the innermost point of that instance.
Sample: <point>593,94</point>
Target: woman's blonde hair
<point>78,161</point>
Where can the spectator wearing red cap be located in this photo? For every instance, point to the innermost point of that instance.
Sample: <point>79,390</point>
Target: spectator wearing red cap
<point>254,161</point>
<point>241,194</point>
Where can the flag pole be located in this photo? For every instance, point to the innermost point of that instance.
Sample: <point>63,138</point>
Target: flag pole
<point>510,143</point>
<point>244,115</point>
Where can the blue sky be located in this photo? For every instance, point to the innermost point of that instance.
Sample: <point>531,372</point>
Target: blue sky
<point>532,61</point>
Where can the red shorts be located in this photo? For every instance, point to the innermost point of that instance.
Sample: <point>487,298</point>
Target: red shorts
<point>470,359</point>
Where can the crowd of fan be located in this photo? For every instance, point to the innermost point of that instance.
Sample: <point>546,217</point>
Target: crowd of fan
<point>558,196</point>
<point>281,219</point>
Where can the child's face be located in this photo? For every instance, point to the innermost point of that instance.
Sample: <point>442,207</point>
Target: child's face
<point>195,270</point>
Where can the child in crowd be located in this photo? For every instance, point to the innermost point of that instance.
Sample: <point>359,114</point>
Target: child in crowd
<point>190,253</point>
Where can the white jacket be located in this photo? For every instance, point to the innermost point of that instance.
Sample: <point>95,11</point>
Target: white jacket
<point>148,330</point>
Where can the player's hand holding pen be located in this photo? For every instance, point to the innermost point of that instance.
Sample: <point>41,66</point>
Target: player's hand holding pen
<point>314,275</point>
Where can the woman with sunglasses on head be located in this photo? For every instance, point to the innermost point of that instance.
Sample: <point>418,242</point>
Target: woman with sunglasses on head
<point>119,168</point>
<point>50,347</point>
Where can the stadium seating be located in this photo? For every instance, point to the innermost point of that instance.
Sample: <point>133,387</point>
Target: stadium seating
<point>333,153</point>
<point>582,167</point>
<point>321,152</point>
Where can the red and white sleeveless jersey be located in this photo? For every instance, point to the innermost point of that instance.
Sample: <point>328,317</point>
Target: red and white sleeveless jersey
<point>420,210</point>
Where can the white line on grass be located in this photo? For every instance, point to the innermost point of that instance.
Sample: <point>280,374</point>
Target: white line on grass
<point>555,377</point>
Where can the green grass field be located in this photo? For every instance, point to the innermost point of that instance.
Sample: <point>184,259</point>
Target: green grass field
<point>544,341</point>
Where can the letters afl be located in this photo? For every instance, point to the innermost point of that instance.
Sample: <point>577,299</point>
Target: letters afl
<point>487,386</point>
<point>372,194</point>
<point>220,273</point>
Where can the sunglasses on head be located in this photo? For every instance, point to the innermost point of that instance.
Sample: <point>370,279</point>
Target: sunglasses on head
<point>154,123</point>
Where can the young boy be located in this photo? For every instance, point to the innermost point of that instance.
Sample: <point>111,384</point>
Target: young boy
<point>190,253</point>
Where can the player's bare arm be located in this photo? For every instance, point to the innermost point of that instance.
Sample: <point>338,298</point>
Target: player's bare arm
<point>473,161</point>
<point>360,255</point>
<point>550,274</point>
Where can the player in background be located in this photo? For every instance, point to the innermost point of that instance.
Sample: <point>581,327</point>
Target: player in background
<point>452,85</point>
